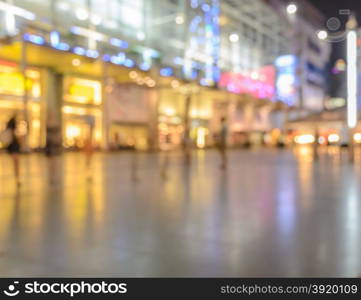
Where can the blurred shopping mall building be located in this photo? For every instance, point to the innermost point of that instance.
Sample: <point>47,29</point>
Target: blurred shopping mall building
<point>144,73</point>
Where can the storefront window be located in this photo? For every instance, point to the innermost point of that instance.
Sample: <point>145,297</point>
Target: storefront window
<point>132,137</point>
<point>12,81</point>
<point>83,91</point>
<point>128,113</point>
<point>82,116</point>
<point>81,124</point>
<point>11,101</point>
<point>170,135</point>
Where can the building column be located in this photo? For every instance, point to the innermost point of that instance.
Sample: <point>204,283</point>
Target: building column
<point>52,84</point>
<point>153,138</point>
<point>23,67</point>
<point>249,113</point>
<point>187,128</point>
<point>154,99</point>
<point>106,84</point>
<point>231,110</point>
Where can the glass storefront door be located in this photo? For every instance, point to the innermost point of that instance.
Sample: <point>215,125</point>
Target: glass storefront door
<point>82,112</point>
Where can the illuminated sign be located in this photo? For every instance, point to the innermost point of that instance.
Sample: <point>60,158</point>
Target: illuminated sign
<point>79,50</point>
<point>56,43</point>
<point>12,81</point>
<point>259,84</point>
<point>119,43</point>
<point>285,61</point>
<point>34,38</point>
<point>92,53</point>
<point>83,91</point>
<point>286,82</point>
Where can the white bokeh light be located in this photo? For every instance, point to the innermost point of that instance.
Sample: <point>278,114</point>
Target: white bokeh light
<point>322,34</point>
<point>291,8</point>
<point>234,37</point>
<point>82,14</point>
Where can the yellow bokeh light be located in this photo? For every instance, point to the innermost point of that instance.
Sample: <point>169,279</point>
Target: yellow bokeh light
<point>357,137</point>
<point>333,138</point>
<point>304,139</point>
<point>201,137</point>
<point>85,91</point>
<point>72,131</point>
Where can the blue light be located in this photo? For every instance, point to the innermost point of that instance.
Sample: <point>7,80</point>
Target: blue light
<point>194,74</point>
<point>119,43</point>
<point>35,39</point>
<point>286,61</point>
<point>106,57</point>
<point>79,50</point>
<point>62,46</point>
<point>145,66</point>
<point>75,30</point>
<point>166,72</point>
<point>150,53</point>
<point>195,23</point>
<point>54,38</point>
<point>216,73</point>
<point>118,59</point>
<point>92,53</point>
<point>194,3</point>
<point>204,33</point>
<point>122,56</point>
<point>206,7</point>
<point>129,63</point>
<point>209,29</point>
<point>178,60</point>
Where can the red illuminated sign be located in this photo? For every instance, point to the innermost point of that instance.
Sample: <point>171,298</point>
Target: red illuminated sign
<point>260,83</point>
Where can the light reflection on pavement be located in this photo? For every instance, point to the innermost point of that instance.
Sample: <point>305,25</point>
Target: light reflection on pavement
<point>271,213</point>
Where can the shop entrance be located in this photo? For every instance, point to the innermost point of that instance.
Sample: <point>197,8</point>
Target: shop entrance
<point>82,112</point>
<point>170,136</point>
<point>77,130</point>
<point>128,137</point>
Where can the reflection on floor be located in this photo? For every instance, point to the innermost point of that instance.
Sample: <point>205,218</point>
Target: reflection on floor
<point>271,213</point>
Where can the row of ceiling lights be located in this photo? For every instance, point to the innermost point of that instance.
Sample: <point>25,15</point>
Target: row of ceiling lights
<point>140,80</point>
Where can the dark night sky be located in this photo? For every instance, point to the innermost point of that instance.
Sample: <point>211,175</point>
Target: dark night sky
<point>330,8</point>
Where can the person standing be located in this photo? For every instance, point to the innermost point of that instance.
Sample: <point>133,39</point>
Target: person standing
<point>222,142</point>
<point>13,148</point>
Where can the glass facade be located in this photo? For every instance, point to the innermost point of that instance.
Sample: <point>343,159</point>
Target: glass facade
<point>198,33</point>
<point>159,45</point>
